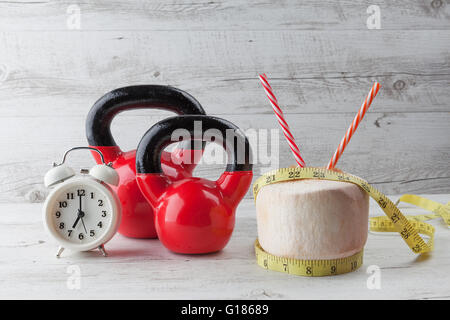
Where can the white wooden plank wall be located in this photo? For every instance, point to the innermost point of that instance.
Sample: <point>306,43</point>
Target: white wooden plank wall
<point>319,55</point>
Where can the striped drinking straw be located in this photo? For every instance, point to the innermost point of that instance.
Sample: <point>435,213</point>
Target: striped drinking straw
<point>281,120</point>
<point>351,130</point>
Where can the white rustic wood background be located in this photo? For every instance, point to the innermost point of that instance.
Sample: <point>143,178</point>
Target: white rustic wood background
<point>320,56</point>
<point>321,60</point>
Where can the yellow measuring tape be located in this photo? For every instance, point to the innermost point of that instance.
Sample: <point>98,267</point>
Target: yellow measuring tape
<point>311,268</point>
<point>409,227</point>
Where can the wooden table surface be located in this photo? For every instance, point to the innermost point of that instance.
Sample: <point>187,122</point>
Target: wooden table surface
<point>144,269</point>
<point>321,58</point>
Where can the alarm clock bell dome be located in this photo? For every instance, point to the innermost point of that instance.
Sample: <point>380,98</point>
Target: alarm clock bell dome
<point>58,174</point>
<point>105,173</point>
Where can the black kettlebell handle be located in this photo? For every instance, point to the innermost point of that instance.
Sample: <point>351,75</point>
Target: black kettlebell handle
<point>148,153</point>
<point>98,122</point>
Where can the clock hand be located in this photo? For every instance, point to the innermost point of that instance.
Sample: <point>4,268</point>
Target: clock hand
<point>76,221</point>
<point>82,221</point>
<point>80,216</point>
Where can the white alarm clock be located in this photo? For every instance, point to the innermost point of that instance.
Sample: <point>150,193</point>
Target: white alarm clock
<point>81,212</point>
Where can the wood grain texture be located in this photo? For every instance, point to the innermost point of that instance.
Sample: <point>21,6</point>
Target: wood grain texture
<point>320,58</point>
<point>225,15</point>
<point>311,72</point>
<point>398,153</point>
<point>321,61</point>
<point>29,268</point>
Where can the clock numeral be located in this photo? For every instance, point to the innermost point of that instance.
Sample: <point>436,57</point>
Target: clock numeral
<point>58,214</point>
<point>63,204</point>
<point>92,195</point>
<point>100,224</point>
<point>81,192</point>
<point>70,232</point>
<point>100,203</point>
<point>104,213</point>
<point>92,233</point>
<point>61,225</point>
<point>81,236</point>
<point>70,196</point>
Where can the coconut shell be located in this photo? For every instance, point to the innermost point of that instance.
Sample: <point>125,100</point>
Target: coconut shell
<point>312,219</point>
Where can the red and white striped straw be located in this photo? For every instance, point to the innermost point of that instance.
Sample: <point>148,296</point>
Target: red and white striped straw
<point>351,130</point>
<point>281,120</point>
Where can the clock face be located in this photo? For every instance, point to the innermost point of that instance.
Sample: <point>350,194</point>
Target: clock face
<point>80,213</point>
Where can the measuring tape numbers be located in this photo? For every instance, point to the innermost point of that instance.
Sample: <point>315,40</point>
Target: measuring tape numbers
<point>408,227</point>
<point>311,268</point>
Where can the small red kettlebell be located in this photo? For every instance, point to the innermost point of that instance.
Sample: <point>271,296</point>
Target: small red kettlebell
<point>194,215</point>
<point>137,214</point>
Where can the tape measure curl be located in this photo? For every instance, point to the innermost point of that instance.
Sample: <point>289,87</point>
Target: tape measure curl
<point>383,224</point>
<point>409,227</point>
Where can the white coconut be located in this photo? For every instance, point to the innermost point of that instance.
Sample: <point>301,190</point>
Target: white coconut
<point>312,219</point>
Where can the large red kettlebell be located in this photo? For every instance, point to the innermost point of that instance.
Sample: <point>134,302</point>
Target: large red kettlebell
<point>137,214</point>
<point>194,215</point>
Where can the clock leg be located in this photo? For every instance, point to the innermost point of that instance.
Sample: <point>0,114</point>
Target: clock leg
<point>102,250</point>
<point>60,250</point>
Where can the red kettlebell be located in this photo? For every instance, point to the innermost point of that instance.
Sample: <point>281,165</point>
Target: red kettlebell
<point>137,214</point>
<point>194,215</point>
